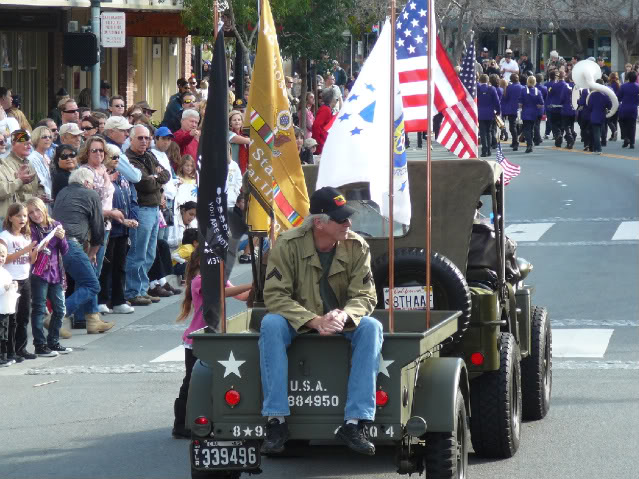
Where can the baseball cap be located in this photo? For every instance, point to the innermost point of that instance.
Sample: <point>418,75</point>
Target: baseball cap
<point>239,103</point>
<point>70,129</point>
<point>485,49</point>
<point>117,123</point>
<point>21,136</point>
<point>508,50</point>
<point>310,143</point>
<point>105,84</point>
<point>163,132</point>
<point>329,201</point>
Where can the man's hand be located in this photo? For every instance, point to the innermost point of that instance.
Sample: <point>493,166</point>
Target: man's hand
<point>25,175</point>
<point>59,233</point>
<point>117,215</point>
<point>329,324</point>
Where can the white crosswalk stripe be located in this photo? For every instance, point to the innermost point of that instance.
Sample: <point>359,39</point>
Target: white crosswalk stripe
<point>627,230</point>
<point>527,231</point>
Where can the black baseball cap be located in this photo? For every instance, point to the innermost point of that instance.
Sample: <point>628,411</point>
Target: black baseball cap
<point>329,201</point>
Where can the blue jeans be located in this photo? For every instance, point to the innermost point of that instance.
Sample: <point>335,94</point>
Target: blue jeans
<point>77,264</point>
<point>141,255</point>
<point>276,335</point>
<point>40,292</point>
<point>92,306</point>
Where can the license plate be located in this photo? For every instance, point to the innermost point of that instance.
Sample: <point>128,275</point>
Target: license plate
<point>209,454</point>
<point>409,297</point>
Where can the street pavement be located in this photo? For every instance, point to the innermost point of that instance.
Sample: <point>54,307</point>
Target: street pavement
<point>105,410</point>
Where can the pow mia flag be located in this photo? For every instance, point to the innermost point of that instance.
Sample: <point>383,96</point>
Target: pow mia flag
<point>211,202</point>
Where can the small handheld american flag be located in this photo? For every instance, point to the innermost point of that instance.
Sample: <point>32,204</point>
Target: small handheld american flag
<point>511,170</point>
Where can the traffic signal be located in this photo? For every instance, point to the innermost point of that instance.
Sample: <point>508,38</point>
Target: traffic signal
<point>80,49</point>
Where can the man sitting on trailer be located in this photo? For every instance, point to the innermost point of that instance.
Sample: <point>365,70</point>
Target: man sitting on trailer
<point>319,279</point>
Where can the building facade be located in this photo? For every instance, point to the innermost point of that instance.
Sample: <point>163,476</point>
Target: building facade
<point>157,51</point>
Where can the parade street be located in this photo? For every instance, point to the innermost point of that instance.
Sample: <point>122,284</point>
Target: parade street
<point>105,410</point>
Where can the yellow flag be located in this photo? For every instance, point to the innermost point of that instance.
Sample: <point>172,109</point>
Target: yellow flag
<point>276,181</point>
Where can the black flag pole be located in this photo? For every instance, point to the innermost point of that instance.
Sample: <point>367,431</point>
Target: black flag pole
<point>211,203</point>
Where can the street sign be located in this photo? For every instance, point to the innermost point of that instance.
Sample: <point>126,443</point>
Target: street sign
<point>113,30</point>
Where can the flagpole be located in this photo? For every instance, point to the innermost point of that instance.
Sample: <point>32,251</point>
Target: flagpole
<point>222,283</point>
<point>391,174</point>
<point>429,145</point>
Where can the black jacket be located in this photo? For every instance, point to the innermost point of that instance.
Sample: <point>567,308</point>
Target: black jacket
<point>149,188</point>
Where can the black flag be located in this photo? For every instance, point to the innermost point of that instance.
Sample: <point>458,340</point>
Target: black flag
<point>211,195</point>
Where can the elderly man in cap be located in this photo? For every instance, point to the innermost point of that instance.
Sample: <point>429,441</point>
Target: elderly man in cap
<point>116,131</point>
<point>555,61</point>
<point>18,179</point>
<point>105,88</point>
<point>318,279</point>
<point>508,66</point>
<point>71,134</point>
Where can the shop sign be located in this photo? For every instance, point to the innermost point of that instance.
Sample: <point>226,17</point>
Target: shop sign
<point>113,30</point>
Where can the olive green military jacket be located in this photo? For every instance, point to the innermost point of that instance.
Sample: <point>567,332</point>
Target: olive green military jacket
<point>293,274</point>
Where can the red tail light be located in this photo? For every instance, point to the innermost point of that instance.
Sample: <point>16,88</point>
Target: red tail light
<point>201,421</point>
<point>477,359</point>
<point>232,397</point>
<point>381,398</point>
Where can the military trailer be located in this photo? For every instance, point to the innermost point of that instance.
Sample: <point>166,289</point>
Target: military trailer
<point>487,348</point>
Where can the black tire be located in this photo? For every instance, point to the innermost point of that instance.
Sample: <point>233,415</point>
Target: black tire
<point>446,455</point>
<point>195,474</point>
<point>536,369</point>
<point>450,290</point>
<point>495,401</point>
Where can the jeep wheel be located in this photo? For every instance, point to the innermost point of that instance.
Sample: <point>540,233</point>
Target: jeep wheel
<point>195,474</point>
<point>495,400</point>
<point>450,290</point>
<point>447,452</point>
<point>536,369</point>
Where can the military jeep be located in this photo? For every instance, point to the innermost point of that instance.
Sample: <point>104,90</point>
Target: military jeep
<point>505,341</point>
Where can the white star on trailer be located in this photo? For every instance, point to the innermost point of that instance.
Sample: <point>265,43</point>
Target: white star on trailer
<point>232,366</point>
<point>383,366</point>
<point>248,431</point>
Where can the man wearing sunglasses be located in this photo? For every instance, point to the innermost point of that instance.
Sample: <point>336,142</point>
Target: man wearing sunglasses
<point>18,179</point>
<point>70,112</point>
<point>318,278</point>
<point>144,238</point>
<point>173,114</point>
<point>116,132</point>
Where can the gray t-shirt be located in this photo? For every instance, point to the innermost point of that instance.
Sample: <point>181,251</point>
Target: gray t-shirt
<point>329,300</point>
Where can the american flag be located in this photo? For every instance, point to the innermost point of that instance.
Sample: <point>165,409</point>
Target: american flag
<point>458,132</point>
<point>511,170</point>
<point>412,66</point>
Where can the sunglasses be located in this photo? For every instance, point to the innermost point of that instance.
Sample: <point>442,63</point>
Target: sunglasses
<point>118,106</point>
<point>192,83</point>
<point>53,130</point>
<point>66,156</point>
<point>70,111</point>
<point>188,101</point>
<point>341,222</point>
<point>96,150</point>
<point>88,128</point>
<point>144,138</point>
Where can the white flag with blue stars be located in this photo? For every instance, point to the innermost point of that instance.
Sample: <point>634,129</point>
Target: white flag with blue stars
<point>357,147</point>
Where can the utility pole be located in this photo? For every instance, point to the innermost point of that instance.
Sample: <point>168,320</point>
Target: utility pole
<point>95,70</point>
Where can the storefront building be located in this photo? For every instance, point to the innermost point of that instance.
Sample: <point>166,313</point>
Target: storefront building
<point>157,51</point>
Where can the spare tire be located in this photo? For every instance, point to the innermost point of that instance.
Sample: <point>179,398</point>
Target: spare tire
<point>450,290</point>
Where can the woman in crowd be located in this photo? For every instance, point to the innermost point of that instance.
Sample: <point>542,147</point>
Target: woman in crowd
<point>310,118</point>
<point>102,118</point>
<point>238,140</point>
<point>47,280</point>
<point>323,117</point>
<point>41,139</point>
<point>92,157</point>
<point>64,162</point>
<point>133,110</point>
<point>89,126</point>
<point>112,276</point>
<point>175,158</point>
<point>21,254</point>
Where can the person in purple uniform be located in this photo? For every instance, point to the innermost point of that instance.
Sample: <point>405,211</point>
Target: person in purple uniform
<point>487,106</point>
<point>568,116</point>
<point>531,102</point>
<point>628,103</point>
<point>600,104</point>
<point>584,110</point>
<point>542,111</point>
<point>509,107</point>
<point>554,107</point>
<point>552,79</point>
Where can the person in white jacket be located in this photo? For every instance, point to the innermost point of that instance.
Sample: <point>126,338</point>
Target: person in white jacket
<point>508,66</point>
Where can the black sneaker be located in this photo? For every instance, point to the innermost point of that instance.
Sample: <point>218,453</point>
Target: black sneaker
<point>60,349</point>
<point>45,352</point>
<point>16,358</point>
<point>355,437</point>
<point>26,354</point>
<point>276,436</point>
